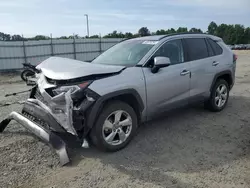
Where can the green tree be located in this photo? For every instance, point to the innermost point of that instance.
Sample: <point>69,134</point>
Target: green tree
<point>128,35</point>
<point>231,34</point>
<point>239,34</point>
<point>171,31</point>
<point>195,30</point>
<point>16,38</point>
<point>182,30</point>
<point>94,36</point>
<point>63,37</point>
<point>1,36</point>
<point>115,34</point>
<point>212,28</point>
<point>144,31</point>
<point>76,36</point>
<point>247,35</point>
<point>5,37</point>
<point>40,37</point>
<point>221,30</point>
<point>161,32</point>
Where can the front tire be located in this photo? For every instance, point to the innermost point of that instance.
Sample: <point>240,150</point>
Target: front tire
<point>218,97</point>
<point>115,126</point>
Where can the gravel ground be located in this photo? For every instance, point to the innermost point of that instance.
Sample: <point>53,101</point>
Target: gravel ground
<point>187,148</point>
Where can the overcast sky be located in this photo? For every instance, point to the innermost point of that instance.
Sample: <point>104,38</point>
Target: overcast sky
<point>64,17</point>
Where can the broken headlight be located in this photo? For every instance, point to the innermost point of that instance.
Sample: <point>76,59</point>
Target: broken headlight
<point>65,89</point>
<point>72,89</point>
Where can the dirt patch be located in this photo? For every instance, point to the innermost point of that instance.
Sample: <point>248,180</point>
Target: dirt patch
<point>242,52</point>
<point>10,78</point>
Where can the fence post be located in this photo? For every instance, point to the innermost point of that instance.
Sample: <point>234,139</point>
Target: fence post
<point>74,45</point>
<point>51,45</point>
<point>100,43</point>
<point>24,51</point>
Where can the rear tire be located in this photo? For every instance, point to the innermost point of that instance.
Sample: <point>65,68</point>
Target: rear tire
<point>111,135</point>
<point>218,97</point>
<point>26,73</point>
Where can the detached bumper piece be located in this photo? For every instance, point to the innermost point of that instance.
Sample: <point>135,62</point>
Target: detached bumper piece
<point>46,135</point>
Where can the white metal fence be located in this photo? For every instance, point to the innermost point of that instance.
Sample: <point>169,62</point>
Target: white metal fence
<point>13,54</point>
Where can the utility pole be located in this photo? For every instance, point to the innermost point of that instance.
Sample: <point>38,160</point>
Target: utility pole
<point>87,18</point>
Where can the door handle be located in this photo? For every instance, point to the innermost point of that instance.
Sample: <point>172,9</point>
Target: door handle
<point>215,63</point>
<point>185,72</point>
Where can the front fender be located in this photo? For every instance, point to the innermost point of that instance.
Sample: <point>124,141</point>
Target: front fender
<point>93,114</point>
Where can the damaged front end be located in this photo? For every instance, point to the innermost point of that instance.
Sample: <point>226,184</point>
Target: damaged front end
<point>55,108</point>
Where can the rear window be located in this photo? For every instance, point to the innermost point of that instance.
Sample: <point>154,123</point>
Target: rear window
<point>216,48</point>
<point>197,48</point>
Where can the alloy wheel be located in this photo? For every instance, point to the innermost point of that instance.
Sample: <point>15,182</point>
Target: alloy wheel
<point>117,127</point>
<point>221,95</point>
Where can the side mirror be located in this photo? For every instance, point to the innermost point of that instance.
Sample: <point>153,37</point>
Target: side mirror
<point>160,62</point>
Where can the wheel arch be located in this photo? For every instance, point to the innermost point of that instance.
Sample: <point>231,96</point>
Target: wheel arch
<point>226,75</point>
<point>130,96</point>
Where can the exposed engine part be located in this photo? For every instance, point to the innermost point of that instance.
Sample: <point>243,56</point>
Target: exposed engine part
<point>63,103</point>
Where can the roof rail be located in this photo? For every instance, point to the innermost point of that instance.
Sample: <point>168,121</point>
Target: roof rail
<point>184,33</point>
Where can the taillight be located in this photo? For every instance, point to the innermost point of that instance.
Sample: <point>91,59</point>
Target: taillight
<point>235,57</point>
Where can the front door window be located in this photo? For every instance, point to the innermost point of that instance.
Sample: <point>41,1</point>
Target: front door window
<point>173,50</point>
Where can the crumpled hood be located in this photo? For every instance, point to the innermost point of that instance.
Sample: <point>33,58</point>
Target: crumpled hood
<point>58,68</point>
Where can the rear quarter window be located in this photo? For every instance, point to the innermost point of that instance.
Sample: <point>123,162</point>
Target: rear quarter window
<point>216,48</point>
<point>210,50</point>
<point>197,48</point>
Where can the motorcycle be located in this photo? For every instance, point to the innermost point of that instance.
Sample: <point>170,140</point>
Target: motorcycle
<point>28,72</point>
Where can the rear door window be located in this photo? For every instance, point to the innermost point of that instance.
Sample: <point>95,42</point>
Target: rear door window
<point>197,48</point>
<point>216,48</point>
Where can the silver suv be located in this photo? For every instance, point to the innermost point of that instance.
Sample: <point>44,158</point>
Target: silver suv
<point>104,101</point>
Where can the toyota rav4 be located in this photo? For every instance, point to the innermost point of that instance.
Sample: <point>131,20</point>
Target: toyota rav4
<point>104,101</point>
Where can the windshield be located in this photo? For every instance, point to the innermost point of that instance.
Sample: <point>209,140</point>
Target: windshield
<point>127,53</point>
